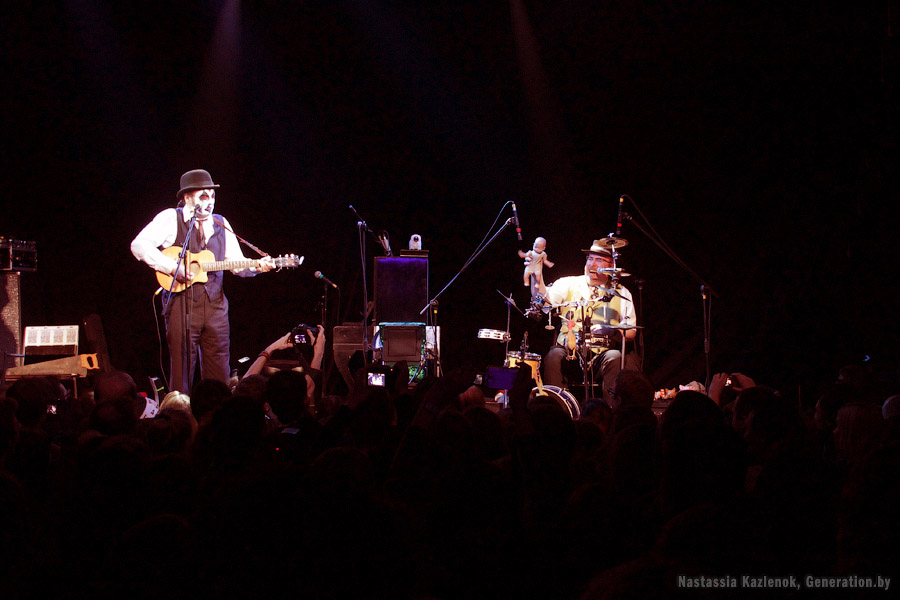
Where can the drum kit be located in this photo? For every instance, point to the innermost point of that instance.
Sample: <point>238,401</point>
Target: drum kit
<point>584,340</point>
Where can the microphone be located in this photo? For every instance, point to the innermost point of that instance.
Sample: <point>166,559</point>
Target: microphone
<point>619,216</point>
<point>516,222</point>
<point>319,275</point>
<point>385,243</point>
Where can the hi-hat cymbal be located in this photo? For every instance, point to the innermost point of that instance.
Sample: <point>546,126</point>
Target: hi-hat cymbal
<point>612,242</point>
<point>601,327</point>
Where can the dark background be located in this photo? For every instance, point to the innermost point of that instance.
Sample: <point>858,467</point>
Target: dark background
<point>759,142</point>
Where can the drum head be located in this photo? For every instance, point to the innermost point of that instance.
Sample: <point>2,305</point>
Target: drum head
<point>530,357</point>
<point>562,397</point>
<point>603,329</point>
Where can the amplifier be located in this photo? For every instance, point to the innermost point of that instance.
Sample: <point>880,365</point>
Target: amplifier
<point>17,255</point>
<point>346,340</point>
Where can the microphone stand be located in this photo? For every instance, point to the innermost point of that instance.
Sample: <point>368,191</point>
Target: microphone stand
<point>510,304</point>
<point>434,303</point>
<point>186,358</point>
<point>363,227</point>
<point>468,262</point>
<point>705,288</point>
<point>326,373</point>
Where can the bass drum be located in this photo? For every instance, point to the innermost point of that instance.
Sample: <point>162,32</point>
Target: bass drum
<point>562,397</point>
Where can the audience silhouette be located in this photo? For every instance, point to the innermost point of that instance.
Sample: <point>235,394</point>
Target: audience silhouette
<point>432,492</point>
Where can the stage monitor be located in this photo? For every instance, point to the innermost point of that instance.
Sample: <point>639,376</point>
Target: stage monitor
<point>402,341</point>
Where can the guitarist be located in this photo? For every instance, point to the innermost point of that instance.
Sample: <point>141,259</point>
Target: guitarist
<point>591,296</point>
<point>207,308</point>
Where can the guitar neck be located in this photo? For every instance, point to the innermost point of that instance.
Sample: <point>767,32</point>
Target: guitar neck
<point>228,265</point>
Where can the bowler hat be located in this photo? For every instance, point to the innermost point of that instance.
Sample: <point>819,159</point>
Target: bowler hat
<point>198,179</point>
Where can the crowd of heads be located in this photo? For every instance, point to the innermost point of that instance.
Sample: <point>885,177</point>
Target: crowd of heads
<point>434,491</point>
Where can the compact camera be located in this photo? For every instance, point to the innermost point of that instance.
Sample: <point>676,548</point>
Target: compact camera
<point>377,375</point>
<point>376,379</point>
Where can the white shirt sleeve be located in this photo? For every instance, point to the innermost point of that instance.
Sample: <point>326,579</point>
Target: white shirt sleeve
<point>558,291</point>
<point>159,233</point>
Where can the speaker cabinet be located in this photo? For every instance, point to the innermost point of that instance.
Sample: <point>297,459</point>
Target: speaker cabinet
<point>11,316</point>
<point>401,289</point>
<point>347,339</point>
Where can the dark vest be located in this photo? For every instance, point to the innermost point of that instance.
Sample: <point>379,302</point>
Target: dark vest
<point>215,244</point>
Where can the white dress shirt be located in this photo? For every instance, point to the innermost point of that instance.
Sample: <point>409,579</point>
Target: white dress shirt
<point>161,232</point>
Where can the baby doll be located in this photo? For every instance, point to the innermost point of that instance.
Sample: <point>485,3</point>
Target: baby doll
<point>535,259</point>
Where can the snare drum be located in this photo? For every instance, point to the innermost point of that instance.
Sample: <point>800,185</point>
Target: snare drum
<point>601,337</point>
<point>562,397</point>
<point>514,359</point>
<point>598,342</point>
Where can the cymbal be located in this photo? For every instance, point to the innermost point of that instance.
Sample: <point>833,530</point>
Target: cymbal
<point>587,301</point>
<point>613,271</point>
<point>613,242</point>
<point>511,302</point>
<point>509,298</point>
<point>599,327</point>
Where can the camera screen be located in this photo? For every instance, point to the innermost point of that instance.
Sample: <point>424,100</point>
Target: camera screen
<point>377,379</point>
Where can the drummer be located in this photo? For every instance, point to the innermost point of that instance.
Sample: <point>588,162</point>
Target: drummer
<point>596,300</point>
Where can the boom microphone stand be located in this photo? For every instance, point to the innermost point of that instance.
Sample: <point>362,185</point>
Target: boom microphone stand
<point>433,303</point>
<point>477,253</point>
<point>363,228</point>
<point>705,288</point>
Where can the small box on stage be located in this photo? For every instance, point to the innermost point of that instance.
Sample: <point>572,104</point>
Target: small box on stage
<point>17,255</point>
<point>406,252</point>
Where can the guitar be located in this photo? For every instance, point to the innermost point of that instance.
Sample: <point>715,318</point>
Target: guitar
<point>203,262</point>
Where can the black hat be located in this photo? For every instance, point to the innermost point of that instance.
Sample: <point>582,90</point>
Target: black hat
<point>198,179</point>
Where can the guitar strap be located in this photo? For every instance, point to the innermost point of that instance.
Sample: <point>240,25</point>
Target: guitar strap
<point>240,239</point>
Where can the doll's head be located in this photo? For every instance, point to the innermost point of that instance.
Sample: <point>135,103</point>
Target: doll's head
<point>540,244</point>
